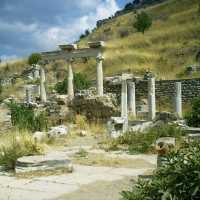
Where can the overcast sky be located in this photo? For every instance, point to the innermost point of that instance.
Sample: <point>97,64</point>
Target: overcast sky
<point>28,26</point>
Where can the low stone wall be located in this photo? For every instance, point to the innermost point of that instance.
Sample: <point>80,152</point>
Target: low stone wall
<point>165,89</point>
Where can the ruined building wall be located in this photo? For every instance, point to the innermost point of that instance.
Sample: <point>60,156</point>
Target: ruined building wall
<point>164,89</point>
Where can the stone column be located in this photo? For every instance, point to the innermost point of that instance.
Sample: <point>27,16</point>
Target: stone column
<point>99,75</point>
<point>28,95</point>
<point>70,89</point>
<point>131,99</point>
<point>43,95</point>
<point>178,99</point>
<point>124,106</point>
<point>151,99</point>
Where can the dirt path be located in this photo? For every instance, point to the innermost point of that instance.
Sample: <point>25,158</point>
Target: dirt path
<point>101,190</point>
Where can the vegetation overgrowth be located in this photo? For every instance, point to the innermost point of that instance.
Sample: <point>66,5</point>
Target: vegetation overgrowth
<point>193,117</point>
<point>16,144</point>
<point>177,180</point>
<point>143,142</point>
<point>81,82</point>
<point>25,118</point>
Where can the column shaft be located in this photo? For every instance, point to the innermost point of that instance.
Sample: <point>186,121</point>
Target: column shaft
<point>43,95</point>
<point>70,90</point>
<point>28,95</point>
<point>99,76</point>
<point>178,99</point>
<point>151,99</point>
<point>131,99</point>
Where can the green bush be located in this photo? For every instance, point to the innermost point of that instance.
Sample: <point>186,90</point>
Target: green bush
<point>179,179</point>
<point>193,117</point>
<point>15,145</point>
<point>34,58</point>
<point>24,117</point>
<point>80,83</point>
<point>143,22</point>
<point>142,142</point>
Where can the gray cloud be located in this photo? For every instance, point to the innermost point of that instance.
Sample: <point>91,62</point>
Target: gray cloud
<point>36,25</point>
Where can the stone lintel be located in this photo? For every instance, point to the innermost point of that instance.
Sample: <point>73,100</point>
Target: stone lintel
<point>125,77</point>
<point>68,47</point>
<point>67,55</point>
<point>98,44</point>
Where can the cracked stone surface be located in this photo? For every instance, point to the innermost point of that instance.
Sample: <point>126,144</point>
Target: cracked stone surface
<point>53,187</point>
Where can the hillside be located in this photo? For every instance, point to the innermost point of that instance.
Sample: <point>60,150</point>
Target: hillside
<point>170,45</point>
<point>167,48</point>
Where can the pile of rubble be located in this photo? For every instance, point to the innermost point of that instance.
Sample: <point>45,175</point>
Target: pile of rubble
<point>95,107</point>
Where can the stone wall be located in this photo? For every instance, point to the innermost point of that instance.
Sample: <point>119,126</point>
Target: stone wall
<point>164,89</point>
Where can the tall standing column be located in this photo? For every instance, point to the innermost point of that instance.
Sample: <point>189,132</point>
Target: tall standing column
<point>178,99</point>
<point>70,82</point>
<point>43,95</point>
<point>99,75</point>
<point>124,105</point>
<point>151,99</point>
<point>131,99</point>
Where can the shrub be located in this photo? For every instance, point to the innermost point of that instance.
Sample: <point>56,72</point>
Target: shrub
<point>142,142</point>
<point>123,33</point>
<point>193,117</point>
<point>80,83</point>
<point>24,117</point>
<point>34,58</point>
<point>177,180</point>
<point>81,122</point>
<point>143,22</point>
<point>15,145</point>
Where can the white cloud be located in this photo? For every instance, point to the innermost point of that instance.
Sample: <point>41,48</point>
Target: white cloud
<point>67,33</point>
<point>5,58</point>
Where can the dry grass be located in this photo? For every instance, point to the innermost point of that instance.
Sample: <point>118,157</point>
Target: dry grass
<point>169,45</point>
<point>103,160</point>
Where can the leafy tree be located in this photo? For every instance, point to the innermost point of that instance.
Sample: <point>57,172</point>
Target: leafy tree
<point>193,117</point>
<point>143,22</point>
<point>81,82</point>
<point>34,58</point>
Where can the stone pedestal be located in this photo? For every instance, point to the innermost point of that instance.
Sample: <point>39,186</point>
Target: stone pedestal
<point>151,99</point>
<point>43,95</point>
<point>70,82</point>
<point>131,99</point>
<point>99,75</point>
<point>178,99</point>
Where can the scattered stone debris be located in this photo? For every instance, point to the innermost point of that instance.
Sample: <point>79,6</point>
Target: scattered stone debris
<point>39,136</point>
<point>58,131</point>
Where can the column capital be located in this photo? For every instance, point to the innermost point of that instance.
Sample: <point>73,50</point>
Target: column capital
<point>100,57</point>
<point>71,60</point>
